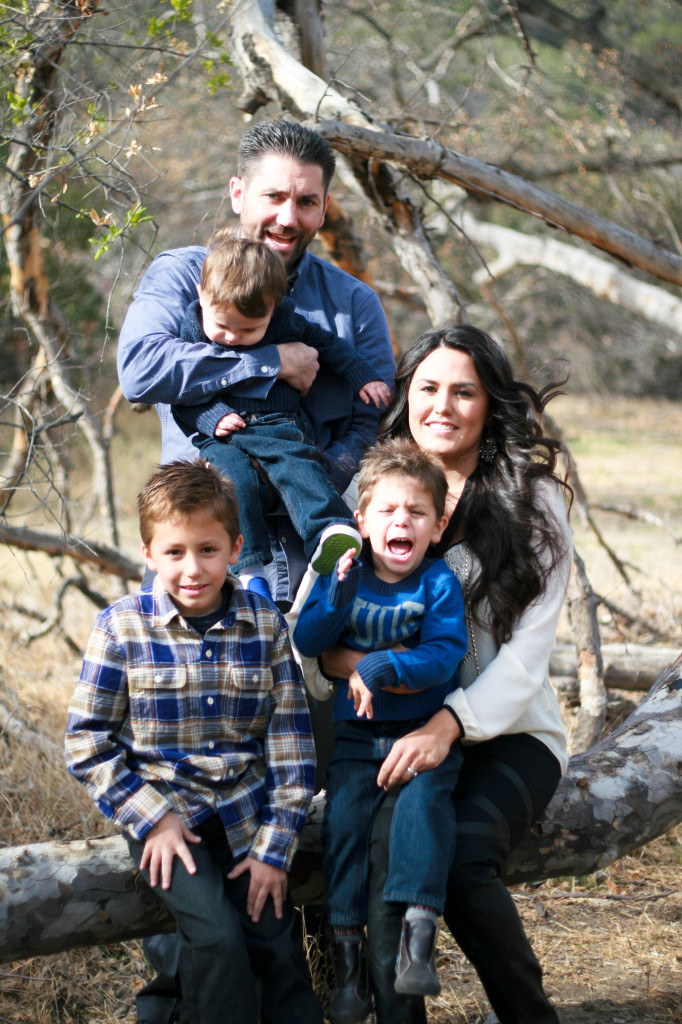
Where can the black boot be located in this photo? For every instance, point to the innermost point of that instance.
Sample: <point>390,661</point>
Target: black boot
<point>350,1002</point>
<point>416,971</point>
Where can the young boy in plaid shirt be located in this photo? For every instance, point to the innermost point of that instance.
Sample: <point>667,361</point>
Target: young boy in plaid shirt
<point>190,729</point>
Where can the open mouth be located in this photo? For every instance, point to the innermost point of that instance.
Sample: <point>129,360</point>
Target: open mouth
<point>400,547</point>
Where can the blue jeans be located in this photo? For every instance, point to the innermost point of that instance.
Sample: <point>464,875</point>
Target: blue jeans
<point>292,465</point>
<point>423,826</point>
<point>221,950</point>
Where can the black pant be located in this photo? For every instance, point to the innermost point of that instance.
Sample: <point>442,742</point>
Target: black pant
<point>505,785</point>
<point>221,951</point>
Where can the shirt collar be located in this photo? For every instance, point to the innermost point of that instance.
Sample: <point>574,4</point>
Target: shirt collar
<point>238,609</point>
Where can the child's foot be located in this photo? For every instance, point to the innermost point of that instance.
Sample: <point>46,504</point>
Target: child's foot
<point>350,1002</point>
<point>416,965</point>
<point>334,541</point>
<point>258,585</point>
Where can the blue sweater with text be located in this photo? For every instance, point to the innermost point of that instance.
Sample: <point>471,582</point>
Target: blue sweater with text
<point>424,612</point>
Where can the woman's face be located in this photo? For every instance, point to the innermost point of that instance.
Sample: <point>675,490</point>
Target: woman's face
<point>447,408</point>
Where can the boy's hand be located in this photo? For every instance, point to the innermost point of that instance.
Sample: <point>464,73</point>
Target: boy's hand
<point>343,566</point>
<point>376,391</point>
<point>266,880</point>
<point>228,424</point>
<point>167,839</point>
<point>362,697</point>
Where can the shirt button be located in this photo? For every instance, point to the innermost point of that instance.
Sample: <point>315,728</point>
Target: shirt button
<point>210,701</point>
<point>265,369</point>
<point>231,772</point>
<point>223,383</point>
<point>255,677</point>
<point>157,678</point>
<point>211,745</point>
<point>209,653</point>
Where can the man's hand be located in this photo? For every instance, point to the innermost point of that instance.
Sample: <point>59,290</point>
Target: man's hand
<point>167,839</point>
<point>266,880</point>
<point>228,424</point>
<point>298,365</point>
<point>376,391</point>
<point>362,697</point>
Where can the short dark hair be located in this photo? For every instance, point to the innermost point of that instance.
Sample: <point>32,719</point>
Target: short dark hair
<point>286,138</point>
<point>179,489</point>
<point>243,273</point>
<point>400,457</point>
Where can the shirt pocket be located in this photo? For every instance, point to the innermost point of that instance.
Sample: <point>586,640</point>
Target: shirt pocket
<point>247,702</point>
<point>158,704</point>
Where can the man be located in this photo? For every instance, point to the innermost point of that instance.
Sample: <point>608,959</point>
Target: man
<point>280,194</point>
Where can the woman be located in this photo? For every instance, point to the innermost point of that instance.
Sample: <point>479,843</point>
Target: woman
<point>509,542</point>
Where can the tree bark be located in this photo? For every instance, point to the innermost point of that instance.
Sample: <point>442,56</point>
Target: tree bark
<point>626,666</point>
<point>104,558</point>
<point>431,159</point>
<point>619,795</point>
<point>271,73</point>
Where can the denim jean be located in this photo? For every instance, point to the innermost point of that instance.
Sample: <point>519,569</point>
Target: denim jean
<point>292,465</point>
<point>221,950</point>
<point>423,826</point>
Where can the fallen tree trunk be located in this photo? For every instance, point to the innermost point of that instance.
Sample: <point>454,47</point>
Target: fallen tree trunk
<point>626,666</point>
<point>619,795</point>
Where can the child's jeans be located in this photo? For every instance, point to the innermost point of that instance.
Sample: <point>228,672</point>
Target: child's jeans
<point>423,827</point>
<point>221,949</point>
<point>293,466</point>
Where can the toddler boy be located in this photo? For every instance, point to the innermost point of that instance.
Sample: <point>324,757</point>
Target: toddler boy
<point>243,305</point>
<point>404,613</point>
<point>189,727</point>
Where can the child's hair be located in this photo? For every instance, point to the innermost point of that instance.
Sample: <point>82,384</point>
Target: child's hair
<point>243,273</point>
<point>179,489</point>
<point>400,457</point>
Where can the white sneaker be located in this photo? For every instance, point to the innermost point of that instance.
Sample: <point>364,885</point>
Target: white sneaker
<point>334,541</point>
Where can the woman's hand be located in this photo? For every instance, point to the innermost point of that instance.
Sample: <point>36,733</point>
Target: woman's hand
<point>419,751</point>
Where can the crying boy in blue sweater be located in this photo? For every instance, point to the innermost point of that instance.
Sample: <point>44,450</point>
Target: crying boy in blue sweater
<point>400,616</point>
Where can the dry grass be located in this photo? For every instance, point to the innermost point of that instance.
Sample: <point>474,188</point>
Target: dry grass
<point>610,944</point>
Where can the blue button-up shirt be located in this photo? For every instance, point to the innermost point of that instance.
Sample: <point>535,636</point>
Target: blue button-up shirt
<point>155,366</point>
<point>165,719</point>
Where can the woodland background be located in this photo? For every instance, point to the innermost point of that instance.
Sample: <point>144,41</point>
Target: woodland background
<point>118,132</point>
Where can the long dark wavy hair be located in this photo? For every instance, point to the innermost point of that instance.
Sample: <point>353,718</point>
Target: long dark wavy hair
<point>516,539</point>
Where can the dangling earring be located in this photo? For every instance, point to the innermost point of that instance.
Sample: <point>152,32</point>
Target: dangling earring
<point>488,450</point>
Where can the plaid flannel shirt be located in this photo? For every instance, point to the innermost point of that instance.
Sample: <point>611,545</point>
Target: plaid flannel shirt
<point>164,719</point>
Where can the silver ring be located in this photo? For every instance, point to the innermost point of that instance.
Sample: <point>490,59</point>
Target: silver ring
<point>412,772</point>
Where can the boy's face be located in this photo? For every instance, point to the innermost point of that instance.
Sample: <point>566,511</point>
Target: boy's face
<point>227,326</point>
<point>192,557</point>
<point>400,522</point>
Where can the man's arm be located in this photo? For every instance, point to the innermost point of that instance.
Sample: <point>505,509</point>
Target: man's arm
<point>156,366</point>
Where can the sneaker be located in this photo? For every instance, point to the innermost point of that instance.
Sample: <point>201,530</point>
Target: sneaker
<point>416,964</point>
<point>350,1002</point>
<point>259,585</point>
<point>334,541</point>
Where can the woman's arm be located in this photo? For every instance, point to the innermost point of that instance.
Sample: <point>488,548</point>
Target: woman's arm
<point>339,662</point>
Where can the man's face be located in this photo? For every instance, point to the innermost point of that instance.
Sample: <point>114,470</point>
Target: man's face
<point>282,203</point>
